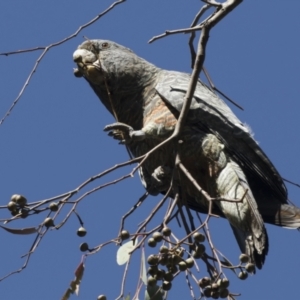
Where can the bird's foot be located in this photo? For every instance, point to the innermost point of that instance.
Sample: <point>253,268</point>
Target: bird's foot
<point>124,133</point>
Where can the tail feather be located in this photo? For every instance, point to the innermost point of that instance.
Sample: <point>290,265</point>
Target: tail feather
<point>244,216</point>
<point>247,247</point>
<point>284,215</point>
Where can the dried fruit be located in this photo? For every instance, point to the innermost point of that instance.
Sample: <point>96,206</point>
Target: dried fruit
<point>176,259</point>
<point>166,286</point>
<point>200,249</point>
<point>180,252</point>
<point>168,276</point>
<point>160,274</point>
<point>243,275</point>
<point>182,266</point>
<point>152,270</point>
<point>163,249</point>
<point>223,293</point>
<point>124,235</point>
<point>53,206</point>
<point>81,231</point>
<point>189,262</point>
<point>12,206</point>
<point>244,258</point>
<point>84,247</point>
<point>198,237</point>
<point>14,212</point>
<point>224,283</point>
<point>173,269</point>
<point>215,294</point>
<point>24,212</point>
<point>166,231</point>
<point>204,282</point>
<point>163,260</point>
<point>207,292</point>
<point>19,199</point>
<point>48,222</point>
<point>152,242</point>
<point>250,267</point>
<point>157,236</point>
<point>152,260</point>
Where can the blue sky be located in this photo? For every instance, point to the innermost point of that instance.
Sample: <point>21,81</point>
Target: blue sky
<point>53,140</point>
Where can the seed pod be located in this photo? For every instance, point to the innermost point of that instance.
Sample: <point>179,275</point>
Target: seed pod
<point>182,266</point>
<point>124,235</point>
<point>173,269</point>
<point>152,260</point>
<point>166,231</point>
<point>244,258</point>
<point>223,293</point>
<point>207,292</point>
<point>24,213</point>
<point>168,276</point>
<point>53,206</point>
<point>215,294</point>
<point>163,260</point>
<point>243,275</point>
<point>160,274</point>
<point>157,236</point>
<point>81,231</point>
<point>176,259</point>
<point>152,270</point>
<point>224,283</point>
<point>12,206</point>
<point>84,247</point>
<point>250,267</point>
<point>189,262</point>
<point>180,252</point>
<point>200,249</point>
<point>14,212</point>
<point>19,199</point>
<point>198,237</point>
<point>204,282</point>
<point>196,255</point>
<point>152,242</point>
<point>163,249</point>
<point>166,286</point>
<point>48,222</point>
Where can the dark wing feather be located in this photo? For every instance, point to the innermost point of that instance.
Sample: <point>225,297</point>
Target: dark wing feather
<point>211,113</point>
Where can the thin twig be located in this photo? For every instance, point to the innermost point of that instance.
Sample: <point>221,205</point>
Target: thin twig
<point>46,49</point>
<point>124,278</point>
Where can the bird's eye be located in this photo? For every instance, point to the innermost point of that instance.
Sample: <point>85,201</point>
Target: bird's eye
<point>104,45</point>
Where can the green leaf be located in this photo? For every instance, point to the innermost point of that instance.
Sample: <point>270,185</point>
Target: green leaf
<point>143,274</point>
<point>28,230</point>
<point>123,252</point>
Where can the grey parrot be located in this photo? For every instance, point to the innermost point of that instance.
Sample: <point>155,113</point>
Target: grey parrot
<point>217,149</point>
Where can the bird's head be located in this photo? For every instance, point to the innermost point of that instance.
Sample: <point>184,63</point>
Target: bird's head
<point>104,62</point>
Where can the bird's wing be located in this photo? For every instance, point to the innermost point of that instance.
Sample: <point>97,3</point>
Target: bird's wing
<point>210,113</point>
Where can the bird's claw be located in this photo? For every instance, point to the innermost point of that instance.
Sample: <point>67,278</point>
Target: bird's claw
<point>124,133</point>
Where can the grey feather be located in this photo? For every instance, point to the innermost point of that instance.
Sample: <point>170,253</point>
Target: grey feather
<point>218,149</point>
